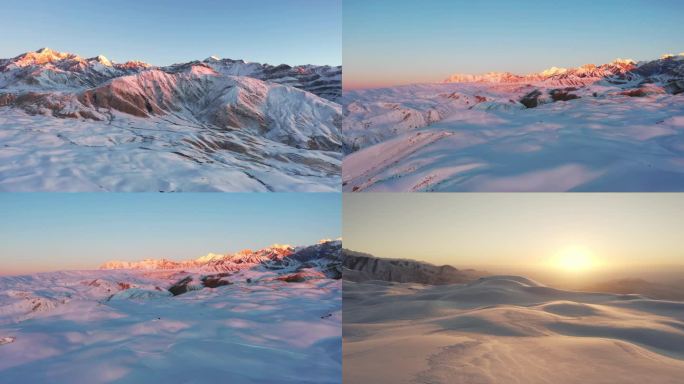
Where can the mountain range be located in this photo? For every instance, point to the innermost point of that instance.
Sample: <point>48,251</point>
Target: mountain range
<point>270,123</point>
<point>667,70</point>
<point>324,257</point>
<point>360,267</point>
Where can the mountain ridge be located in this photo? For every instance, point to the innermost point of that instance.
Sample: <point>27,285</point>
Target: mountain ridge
<point>325,255</point>
<point>216,124</point>
<point>47,69</point>
<point>616,71</point>
<point>360,267</point>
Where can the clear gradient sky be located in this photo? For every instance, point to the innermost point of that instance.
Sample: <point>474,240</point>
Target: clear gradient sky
<point>164,32</point>
<point>55,231</point>
<point>392,42</point>
<point>516,230</point>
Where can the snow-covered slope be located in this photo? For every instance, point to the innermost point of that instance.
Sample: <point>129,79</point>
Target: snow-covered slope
<point>213,125</point>
<point>276,321</point>
<point>503,329</point>
<point>614,127</point>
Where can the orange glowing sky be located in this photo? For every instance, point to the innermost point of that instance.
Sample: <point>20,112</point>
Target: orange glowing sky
<point>570,231</point>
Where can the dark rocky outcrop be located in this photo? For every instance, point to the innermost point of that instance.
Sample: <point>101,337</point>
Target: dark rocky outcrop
<point>531,100</point>
<point>181,286</point>
<point>293,278</point>
<point>215,281</point>
<point>563,94</point>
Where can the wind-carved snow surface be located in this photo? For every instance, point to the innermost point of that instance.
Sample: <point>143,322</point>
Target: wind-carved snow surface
<point>507,329</point>
<point>615,127</point>
<point>73,124</point>
<point>274,321</point>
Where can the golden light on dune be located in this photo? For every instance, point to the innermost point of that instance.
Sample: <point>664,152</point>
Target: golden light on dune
<point>574,259</point>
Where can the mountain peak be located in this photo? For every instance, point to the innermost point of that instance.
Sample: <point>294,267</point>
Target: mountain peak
<point>209,257</point>
<point>103,60</point>
<point>41,56</point>
<point>553,71</point>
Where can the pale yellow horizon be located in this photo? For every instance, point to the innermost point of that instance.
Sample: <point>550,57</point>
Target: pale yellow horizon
<point>538,230</point>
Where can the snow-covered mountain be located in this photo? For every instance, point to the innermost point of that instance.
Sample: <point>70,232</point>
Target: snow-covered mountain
<point>46,69</point>
<point>324,256</point>
<point>667,70</point>
<point>619,70</point>
<point>612,127</point>
<point>278,126</point>
<point>361,267</point>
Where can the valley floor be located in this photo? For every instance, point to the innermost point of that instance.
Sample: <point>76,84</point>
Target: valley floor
<point>508,330</point>
<point>85,327</point>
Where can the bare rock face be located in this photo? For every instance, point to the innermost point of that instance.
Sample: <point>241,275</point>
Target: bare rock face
<point>675,87</point>
<point>563,94</point>
<point>181,286</point>
<point>531,100</point>
<point>301,276</point>
<point>215,281</point>
<point>643,91</point>
<point>362,267</point>
<point>538,97</point>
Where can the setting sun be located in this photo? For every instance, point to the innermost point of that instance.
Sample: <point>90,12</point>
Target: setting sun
<point>574,259</point>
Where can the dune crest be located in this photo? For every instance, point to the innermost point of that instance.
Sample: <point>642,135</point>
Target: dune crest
<point>508,329</point>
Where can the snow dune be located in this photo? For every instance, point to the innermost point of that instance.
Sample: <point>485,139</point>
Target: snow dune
<point>507,329</point>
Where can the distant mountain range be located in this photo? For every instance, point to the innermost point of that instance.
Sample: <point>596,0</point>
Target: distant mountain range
<point>668,71</point>
<point>325,257</point>
<point>360,267</point>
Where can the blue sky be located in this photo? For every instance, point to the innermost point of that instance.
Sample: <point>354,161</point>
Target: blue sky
<point>163,32</point>
<point>389,42</point>
<point>54,231</point>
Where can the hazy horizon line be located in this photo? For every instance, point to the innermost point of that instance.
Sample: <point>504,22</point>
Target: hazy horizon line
<point>434,82</point>
<point>499,265</point>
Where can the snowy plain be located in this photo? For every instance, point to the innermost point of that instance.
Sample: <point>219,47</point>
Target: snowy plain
<point>124,326</point>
